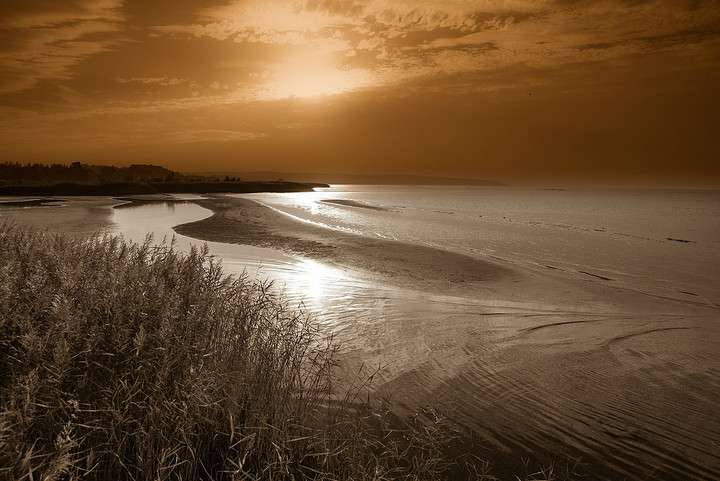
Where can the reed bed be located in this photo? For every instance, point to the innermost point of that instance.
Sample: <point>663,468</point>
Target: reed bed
<point>123,361</point>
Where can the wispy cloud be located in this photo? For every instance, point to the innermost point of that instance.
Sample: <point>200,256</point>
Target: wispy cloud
<point>397,39</point>
<point>208,135</point>
<point>45,43</point>
<point>159,81</point>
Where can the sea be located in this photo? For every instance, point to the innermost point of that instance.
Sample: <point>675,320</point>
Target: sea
<point>599,356</point>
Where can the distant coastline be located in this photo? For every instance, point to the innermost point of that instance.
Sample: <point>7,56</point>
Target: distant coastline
<point>358,179</point>
<point>84,179</point>
<point>131,188</point>
<point>141,179</point>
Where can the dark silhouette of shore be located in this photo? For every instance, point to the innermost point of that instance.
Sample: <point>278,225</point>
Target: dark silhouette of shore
<point>84,179</point>
<point>129,188</point>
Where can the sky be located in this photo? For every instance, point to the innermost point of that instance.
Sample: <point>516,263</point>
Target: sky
<point>624,91</point>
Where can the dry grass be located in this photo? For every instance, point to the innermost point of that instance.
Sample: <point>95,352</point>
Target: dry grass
<point>133,362</point>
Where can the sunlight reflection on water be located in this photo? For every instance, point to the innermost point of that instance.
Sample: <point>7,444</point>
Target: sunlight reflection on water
<point>318,276</point>
<point>302,281</point>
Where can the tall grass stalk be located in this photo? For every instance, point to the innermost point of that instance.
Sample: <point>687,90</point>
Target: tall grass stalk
<point>136,362</point>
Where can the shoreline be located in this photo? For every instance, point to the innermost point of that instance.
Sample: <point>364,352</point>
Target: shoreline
<point>405,265</point>
<point>143,188</point>
<point>82,215</point>
<point>245,221</point>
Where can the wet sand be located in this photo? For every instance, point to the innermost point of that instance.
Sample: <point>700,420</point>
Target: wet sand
<point>417,267</point>
<point>244,221</point>
<point>71,215</point>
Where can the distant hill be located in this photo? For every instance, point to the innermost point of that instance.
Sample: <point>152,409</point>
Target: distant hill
<point>14,172</point>
<point>380,179</point>
<point>18,177</point>
<point>135,188</point>
<point>83,179</point>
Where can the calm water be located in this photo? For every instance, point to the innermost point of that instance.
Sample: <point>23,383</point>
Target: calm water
<point>608,353</point>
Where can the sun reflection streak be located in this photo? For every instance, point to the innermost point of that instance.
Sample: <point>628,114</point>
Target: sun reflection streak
<point>317,277</point>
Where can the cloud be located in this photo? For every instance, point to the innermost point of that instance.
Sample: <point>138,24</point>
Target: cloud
<point>569,33</point>
<point>251,50</point>
<point>288,22</point>
<point>44,40</point>
<point>416,34</point>
<point>208,135</point>
<point>305,20</point>
<point>48,13</point>
<point>159,81</point>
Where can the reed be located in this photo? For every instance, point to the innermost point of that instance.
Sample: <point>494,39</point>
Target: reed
<point>136,362</point>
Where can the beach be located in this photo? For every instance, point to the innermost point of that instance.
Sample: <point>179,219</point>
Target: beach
<point>539,360</point>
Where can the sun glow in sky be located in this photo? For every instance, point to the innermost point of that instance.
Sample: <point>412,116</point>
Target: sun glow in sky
<point>479,88</point>
<point>312,83</point>
<point>313,75</point>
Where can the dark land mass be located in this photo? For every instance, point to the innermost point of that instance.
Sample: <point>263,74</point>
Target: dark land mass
<point>83,179</point>
<point>130,188</point>
<point>244,221</point>
<point>16,173</point>
<point>390,179</point>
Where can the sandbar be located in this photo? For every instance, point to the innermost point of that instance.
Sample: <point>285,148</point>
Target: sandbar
<point>245,221</point>
<point>72,215</point>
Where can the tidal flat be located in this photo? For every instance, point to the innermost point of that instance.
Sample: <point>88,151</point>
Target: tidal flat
<point>548,359</point>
